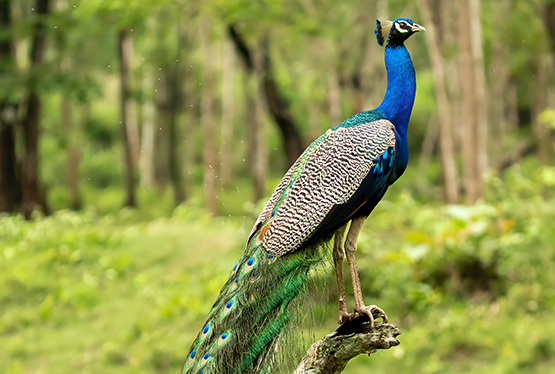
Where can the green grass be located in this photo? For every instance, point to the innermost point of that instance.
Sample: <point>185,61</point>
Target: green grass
<point>83,293</point>
<point>125,291</point>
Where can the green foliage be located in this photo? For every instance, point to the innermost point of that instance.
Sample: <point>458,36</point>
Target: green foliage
<point>471,288</point>
<point>103,293</point>
<point>548,118</point>
<point>467,282</point>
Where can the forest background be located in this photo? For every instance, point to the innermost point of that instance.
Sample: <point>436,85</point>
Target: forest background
<point>139,139</point>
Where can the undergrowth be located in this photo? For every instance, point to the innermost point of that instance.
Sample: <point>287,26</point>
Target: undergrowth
<point>472,288</point>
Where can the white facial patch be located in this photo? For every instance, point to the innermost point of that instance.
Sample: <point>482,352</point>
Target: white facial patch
<point>399,28</point>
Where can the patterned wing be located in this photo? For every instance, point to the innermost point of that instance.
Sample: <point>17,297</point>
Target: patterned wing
<point>328,174</point>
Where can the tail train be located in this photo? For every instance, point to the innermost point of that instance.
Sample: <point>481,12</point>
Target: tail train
<point>250,312</point>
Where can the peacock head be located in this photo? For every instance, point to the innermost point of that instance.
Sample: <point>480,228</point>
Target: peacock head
<point>396,32</point>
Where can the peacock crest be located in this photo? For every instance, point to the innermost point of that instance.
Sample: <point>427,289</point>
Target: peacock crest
<point>383,28</point>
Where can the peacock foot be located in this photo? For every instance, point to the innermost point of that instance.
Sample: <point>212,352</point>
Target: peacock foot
<point>344,316</point>
<point>372,311</point>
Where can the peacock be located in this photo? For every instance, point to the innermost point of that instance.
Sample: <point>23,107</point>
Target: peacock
<point>337,181</point>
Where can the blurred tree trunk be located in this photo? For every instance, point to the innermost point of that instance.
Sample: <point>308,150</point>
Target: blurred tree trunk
<point>167,104</point>
<point>549,21</point>
<point>161,171</point>
<point>473,103</point>
<point>176,78</point>
<point>313,120</point>
<point>334,97</point>
<point>210,156</point>
<point>275,98</point>
<point>128,121</point>
<point>33,197</point>
<point>10,184</point>
<point>148,133</point>
<point>252,124</point>
<point>447,148</point>
<point>68,124</point>
<point>228,78</point>
<point>251,87</point>
<point>73,155</point>
<point>355,80</point>
<point>189,129</point>
<point>499,82</point>
<point>431,138</point>
<point>279,108</point>
<point>546,137</point>
<point>539,104</point>
<point>356,60</point>
<point>260,166</point>
<point>172,80</point>
<point>500,109</point>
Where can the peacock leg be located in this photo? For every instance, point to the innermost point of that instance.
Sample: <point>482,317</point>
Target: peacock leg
<point>350,248</point>
<point>338,256</point>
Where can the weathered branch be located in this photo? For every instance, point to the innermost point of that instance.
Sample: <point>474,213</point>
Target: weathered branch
<point>331,354</point>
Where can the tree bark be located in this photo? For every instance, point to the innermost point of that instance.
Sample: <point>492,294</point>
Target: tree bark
<point>279,108</point>
<point>275,99</point>
<point>429,142</point>
<point>447,147</point>
<point>473,114</point>
<point>228,78</point>
<point>73,155</point>
<point>167,102</point>
<point>334,97</point>
<point>174,166</point>
<point>10,183</point>
<point>130,138</point>
<point>148,133</point>
<point>189,128</point>
<point>253,130</point>
<point>539,104</point>
<point>33,197</point>
<point>313,121</point>
<point>481,97</point>
<point>500,86</point>
<point>546,138</point>
<point>210,155</point>
<point>256,154</point>
<point>356,73</point>
<point>549,21</point>
<point>331,354</point>
<point>260,166</point>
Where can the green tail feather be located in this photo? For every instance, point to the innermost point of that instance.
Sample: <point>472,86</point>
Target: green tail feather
<point>242,328</point>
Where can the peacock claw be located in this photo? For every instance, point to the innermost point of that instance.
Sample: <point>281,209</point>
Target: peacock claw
<point>345,317</point>
<point>372,312</point>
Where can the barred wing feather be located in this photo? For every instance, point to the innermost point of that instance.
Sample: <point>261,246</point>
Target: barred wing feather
<point>326,175</point>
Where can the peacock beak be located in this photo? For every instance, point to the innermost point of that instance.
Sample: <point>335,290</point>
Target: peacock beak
<point>416,27</point>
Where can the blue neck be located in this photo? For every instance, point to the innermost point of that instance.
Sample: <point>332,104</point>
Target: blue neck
<point>401,88</point>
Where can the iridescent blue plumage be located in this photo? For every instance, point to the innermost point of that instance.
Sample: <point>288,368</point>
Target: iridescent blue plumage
<point>335,184</point>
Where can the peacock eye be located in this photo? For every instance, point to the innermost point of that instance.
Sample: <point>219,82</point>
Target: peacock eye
<point>402,26</point>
